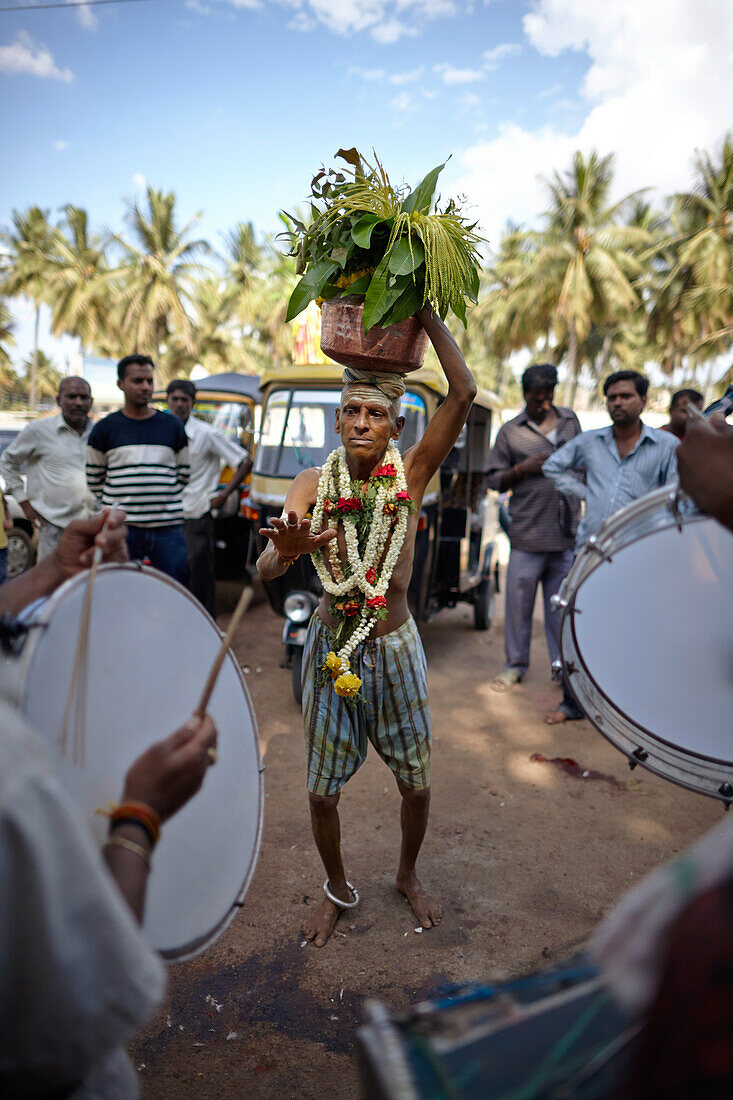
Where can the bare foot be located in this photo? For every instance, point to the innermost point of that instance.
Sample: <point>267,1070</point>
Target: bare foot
<point>426,909</point>
<point>317,928</point>
<point>553,717</point>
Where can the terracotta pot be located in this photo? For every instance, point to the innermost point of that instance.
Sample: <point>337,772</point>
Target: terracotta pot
<point>400,348</point>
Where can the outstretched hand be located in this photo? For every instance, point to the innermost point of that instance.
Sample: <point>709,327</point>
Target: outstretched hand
<point>292,537</point>
<point>705,464</point>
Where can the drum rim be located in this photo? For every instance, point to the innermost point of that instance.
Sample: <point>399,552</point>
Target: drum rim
<point>188,950</point>
<point>656,754</point>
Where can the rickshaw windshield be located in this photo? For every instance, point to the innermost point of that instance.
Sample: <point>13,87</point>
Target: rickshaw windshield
<point>298,430</point>
<point>231,417</point>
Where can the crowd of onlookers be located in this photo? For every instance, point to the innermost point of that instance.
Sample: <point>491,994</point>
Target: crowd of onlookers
<point>551,466</point>
<point>163,471</point>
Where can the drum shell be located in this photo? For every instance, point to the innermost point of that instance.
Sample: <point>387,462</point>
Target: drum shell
<point>151,647</point>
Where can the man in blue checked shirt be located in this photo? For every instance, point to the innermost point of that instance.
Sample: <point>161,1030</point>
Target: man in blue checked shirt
<point>621,463</point>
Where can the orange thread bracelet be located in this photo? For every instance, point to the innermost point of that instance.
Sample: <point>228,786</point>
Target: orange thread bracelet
<point>137,813</point>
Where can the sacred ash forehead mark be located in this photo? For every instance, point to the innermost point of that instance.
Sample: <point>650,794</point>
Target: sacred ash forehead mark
<point>360,392</point>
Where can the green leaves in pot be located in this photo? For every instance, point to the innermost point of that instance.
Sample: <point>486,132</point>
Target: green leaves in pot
<point>366,237</point>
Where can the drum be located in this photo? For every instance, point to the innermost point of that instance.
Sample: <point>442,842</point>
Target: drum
<point>548,1035</point>
<point>151,646</point>
<point>647,639</point>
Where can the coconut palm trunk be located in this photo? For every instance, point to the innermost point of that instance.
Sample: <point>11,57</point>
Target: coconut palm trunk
<point>571,382</point>
<point>33,373</point>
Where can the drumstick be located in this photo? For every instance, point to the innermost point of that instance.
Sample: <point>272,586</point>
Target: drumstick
<point>244,601</point>
<point>78,674</point>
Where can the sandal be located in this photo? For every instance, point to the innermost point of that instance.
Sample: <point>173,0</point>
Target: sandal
<point>505,681</point>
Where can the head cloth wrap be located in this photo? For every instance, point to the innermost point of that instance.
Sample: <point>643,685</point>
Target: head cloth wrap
<point>391,386</point>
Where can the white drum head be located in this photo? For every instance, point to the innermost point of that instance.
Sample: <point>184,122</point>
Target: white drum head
<point>150,649</point>
<point>648,640</point>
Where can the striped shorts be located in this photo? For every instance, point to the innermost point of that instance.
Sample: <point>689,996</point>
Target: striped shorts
<point>394,715</point>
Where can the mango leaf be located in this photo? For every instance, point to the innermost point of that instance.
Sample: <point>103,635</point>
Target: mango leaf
<point>402,260</point>
<point>361,232</point>
<point>409,302</point>
<point>309,287</point>
<point>418,201</point>
<point>384,290</point>
<point>351,156</point>
<point>459,308</point>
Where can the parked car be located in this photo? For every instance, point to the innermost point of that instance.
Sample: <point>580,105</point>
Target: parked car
<point>22,536</point>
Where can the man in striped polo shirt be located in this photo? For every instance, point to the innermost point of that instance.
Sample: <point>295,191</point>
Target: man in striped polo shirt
<point>137,459</point>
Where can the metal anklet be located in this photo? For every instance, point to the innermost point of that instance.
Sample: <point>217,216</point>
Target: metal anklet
<point>338,901</point>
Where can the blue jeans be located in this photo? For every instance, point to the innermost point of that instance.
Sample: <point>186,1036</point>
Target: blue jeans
<point>3,565</point>
<point>164,547</point>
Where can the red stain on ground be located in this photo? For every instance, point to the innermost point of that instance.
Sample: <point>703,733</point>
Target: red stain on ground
<point>571,767</point>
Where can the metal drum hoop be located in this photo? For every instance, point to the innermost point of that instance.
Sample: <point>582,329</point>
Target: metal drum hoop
<point>658,511</point>
<point>41,617</point>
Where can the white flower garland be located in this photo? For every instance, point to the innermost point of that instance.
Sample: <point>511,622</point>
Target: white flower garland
<point>335,480</point>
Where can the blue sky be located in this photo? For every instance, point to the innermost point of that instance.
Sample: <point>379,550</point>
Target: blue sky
<point>233,104</point>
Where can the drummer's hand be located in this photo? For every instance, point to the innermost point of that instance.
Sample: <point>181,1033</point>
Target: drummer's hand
<point>170,772</point>
<point>76,545</point>
<point>293,537</point>
<point>705,464</point>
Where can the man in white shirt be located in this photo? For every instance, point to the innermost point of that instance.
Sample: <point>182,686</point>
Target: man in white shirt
<point>52,452</point>
<point>207,450</point>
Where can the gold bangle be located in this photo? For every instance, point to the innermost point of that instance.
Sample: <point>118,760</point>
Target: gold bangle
<point>283,558</point>
<point>129,846</point>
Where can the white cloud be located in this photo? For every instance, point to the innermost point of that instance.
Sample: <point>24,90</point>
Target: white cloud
<point>59,146</point>
<point>408,77</point>
<point>140,181</point>
<point>493,56</point>
<point>451,75</point>
<point>469,99</point>
<point>548,93</point>
<point>385,20</point>
<point>86,18</point>
<point>403,102</point>
<point>33,58</point>
<point>657,87</point>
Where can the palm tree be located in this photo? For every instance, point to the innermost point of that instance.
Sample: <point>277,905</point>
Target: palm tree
<point>48,377</point>
<point>701,276</point>
<point>30,243</point>
<point>585,262</point>
<point>7,337</point>
<point>77,281</point>
<point>212,334</point>
<point>157,273</point>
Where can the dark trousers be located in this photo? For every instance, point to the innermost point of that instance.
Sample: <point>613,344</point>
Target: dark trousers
<point>199,534</point>
<point>164,547</point>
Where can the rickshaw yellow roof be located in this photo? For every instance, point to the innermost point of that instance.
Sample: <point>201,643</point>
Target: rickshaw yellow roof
<point>319,373</point>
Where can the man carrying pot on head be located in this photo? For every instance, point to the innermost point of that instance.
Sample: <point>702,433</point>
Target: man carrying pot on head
<point>543,521</point>
<point>364,673</point>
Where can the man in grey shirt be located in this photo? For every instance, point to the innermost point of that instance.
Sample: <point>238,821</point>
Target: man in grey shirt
<point>543,521</point>
<point>620,463</point>
<point>53,453</point>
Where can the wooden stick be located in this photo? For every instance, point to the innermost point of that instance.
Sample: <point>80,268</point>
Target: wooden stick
<point>244,601</point>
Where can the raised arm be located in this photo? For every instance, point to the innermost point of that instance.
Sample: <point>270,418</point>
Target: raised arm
<point>559,466</point>
<point>290,536</point>
<point>443,430</point>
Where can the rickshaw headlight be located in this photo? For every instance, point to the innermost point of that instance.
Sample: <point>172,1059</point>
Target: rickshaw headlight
<point>298,607</point>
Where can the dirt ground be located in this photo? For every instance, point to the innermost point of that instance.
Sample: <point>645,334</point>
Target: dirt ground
<point>526,855</point>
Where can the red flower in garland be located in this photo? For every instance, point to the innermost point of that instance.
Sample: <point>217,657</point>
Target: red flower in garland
<point>370,576</point>
<point>376,602</point>
<point>349,504</point>
<point>404,497</point>
<point>328,507</point>
<point>387,470</point>
<point>353,607</point>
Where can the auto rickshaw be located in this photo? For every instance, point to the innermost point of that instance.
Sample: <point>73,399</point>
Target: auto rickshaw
<point>455,542</point>
<point>232,403</point>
